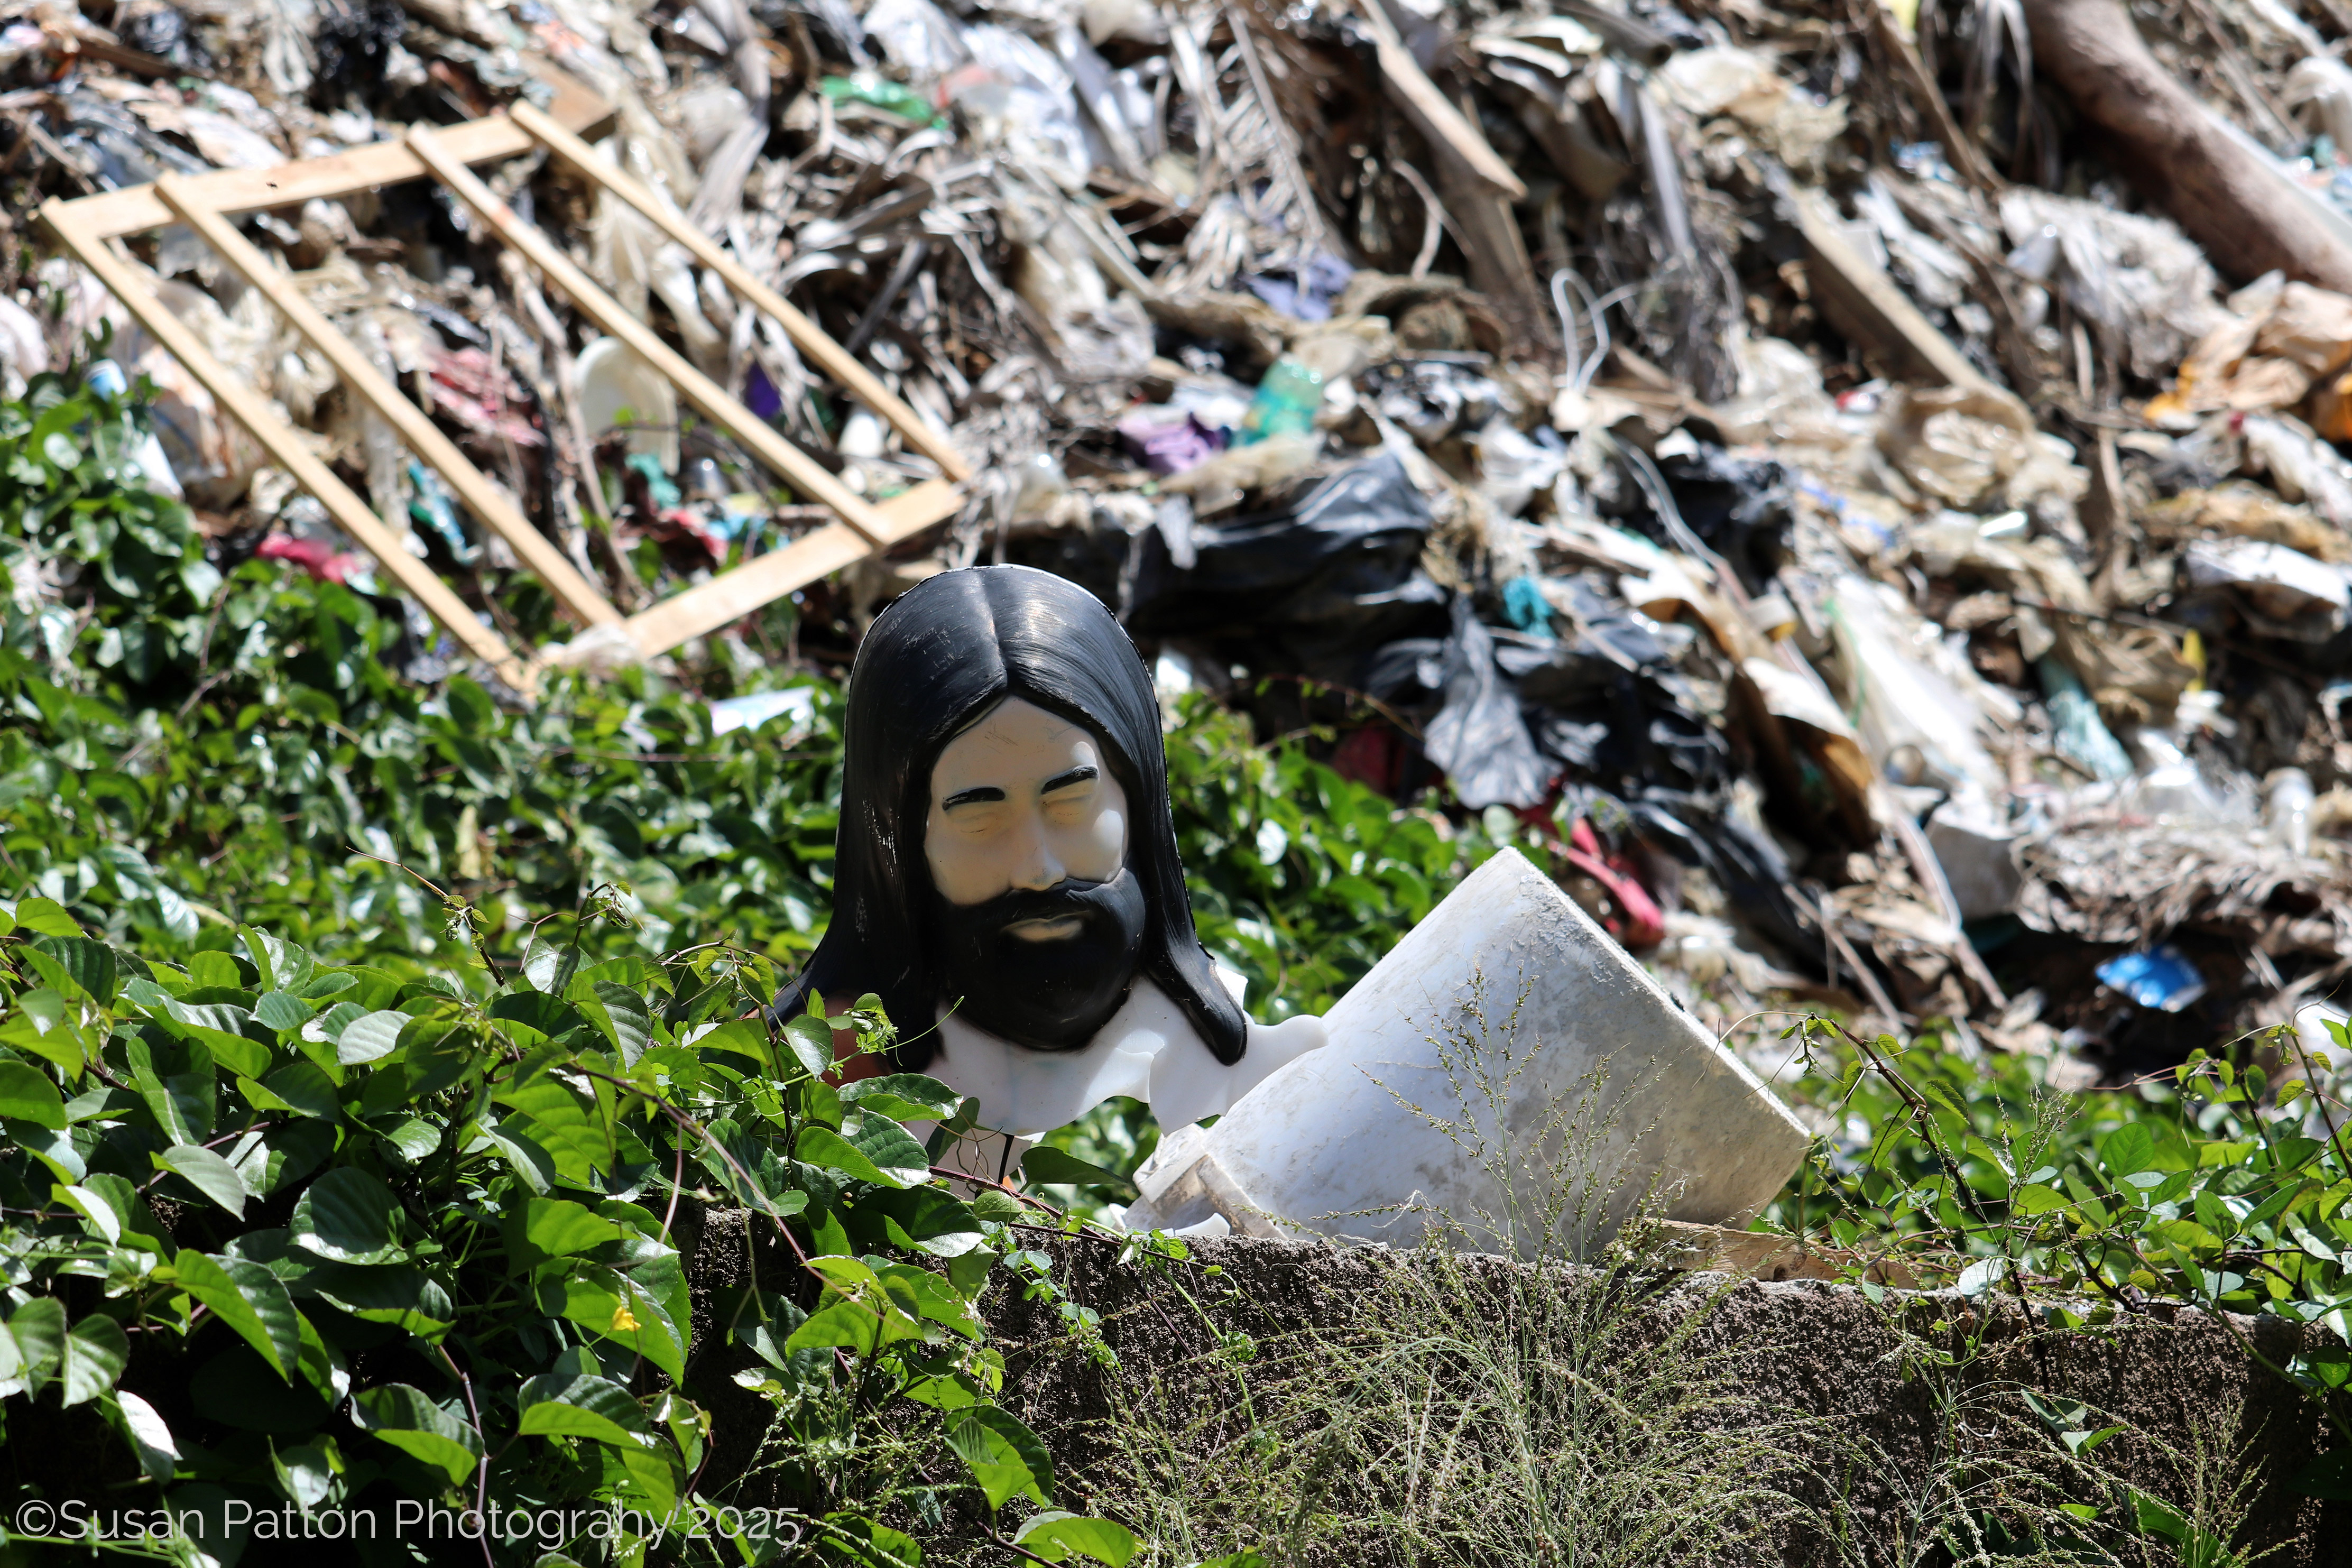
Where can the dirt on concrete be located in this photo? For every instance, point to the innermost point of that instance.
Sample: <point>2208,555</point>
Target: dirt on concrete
<point>1901,1399</point>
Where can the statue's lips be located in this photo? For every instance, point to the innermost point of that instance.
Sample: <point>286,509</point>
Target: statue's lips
<point>1061,930</point>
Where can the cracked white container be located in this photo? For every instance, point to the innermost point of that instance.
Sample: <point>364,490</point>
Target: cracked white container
<point>1508,1069</point>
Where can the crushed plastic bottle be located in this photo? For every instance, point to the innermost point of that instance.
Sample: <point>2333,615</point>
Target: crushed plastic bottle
<point>147,453</point>
<point>1286,402</point>
<point>659,488</point>
<point>2081,736</point>
<point>878,92</point>
<point>429,503</point>
<point>2287,799</point>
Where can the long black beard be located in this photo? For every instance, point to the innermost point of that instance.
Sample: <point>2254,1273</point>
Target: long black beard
<point>1047,996</point>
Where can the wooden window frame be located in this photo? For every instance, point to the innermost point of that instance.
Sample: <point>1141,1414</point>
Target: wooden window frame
<point>94,229</point>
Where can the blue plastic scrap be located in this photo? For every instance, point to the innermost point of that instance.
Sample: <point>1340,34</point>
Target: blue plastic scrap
<point>2158,977</point>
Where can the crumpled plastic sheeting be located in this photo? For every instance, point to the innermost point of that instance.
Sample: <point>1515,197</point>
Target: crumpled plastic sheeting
<point>2145,288</point>
<point>1341,566</point>
<point>1479,737</point>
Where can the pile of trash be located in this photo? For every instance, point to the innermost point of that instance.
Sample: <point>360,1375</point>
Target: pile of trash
<point>1763,450</point>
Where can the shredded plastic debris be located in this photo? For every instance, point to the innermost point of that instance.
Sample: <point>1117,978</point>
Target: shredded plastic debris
<point>1866,536</point>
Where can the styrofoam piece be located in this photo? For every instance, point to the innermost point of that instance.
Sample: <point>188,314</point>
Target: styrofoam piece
<point>613,379</point>
<point>1979,861</point>
<point>1507,1066</point>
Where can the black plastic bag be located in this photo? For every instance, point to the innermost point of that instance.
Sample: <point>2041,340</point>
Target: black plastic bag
<point>1336,569</point>
<point>1479,737</point>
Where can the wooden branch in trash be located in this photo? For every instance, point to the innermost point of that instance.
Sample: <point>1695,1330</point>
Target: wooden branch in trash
<point>247,406</point>
<point>231,191</point>
<point>1865,305</point>
<point>802,471</point>
<point>424,438</point>
<point>813,340</point>
<point>706,606</point>
<point>2222,193</point>
<point>1440,123</point>
<point>1968,160</point>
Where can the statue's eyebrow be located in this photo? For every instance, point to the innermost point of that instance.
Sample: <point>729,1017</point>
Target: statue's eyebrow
<point>979,794</point>
<point>1082,774</point>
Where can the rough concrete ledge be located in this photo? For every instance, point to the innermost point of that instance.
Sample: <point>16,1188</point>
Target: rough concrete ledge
<point>1878,1374</point>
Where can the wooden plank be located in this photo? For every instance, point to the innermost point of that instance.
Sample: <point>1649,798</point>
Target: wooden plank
<point>139,209</point>
<point>1438,121</point>
<point>797,467</point>
<point>1968,160</point>
<point>813,340</point>
<point>424,438</point>
<point>1865,305</point>
<point>706,606</point>
<point>245,405</point>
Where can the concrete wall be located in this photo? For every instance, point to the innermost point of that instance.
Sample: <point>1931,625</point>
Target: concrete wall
<point>1874,1376</point>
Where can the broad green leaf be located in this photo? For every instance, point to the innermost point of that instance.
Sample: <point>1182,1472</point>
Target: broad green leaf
<point>654,1474</point>
<point>920,1293</point>
<point>552,1228</point>
<point>1054,1535</point>
<point>829,1151</point>
<point>177,1080</point>
<point>277,1010</point>
<point>1004,1456</point>
<point>2034,1198</point>
<point>619,1012</point>
<point>852,1324</point>
<point>150,1437</point>
<point>27,1095</point>
<point>545,963</point>
<point>305,1471</point>
<point>212,1025</point>
<point>2157,1517</point>
<point>349,1216</point>
<point>2127,1151</point>
<point>606,1303</point>
<point>855,1539</point>
<point>207,1172</point>
<point>283,965</point>
<point>926,1219</point>
<point>37,1334</point>
<point>305,1086</point>
<point>592,1407</point>
<point>403,1417</point>
<point>50,1147</point>
<point>1047,1164</point>
<point>249,1299</point>
<point>1002,1207</point>
<point>415,1138</point>
<point>404,1296</point>
<point>891,1147</point>
<point>524,1154</point>
<point>811,1043</point>
<point>369,1038</point>
<point>137,1221</point>
<point>45,917</point>
<point>89,964</point>
<point>44,1024</point>
<point>570,1125</point>
<point>94,1355</point>
<point>903,1096</point>
<point>741,1036</point>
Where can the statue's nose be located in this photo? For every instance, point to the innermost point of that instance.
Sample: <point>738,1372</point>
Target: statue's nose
<point>1038,866</point>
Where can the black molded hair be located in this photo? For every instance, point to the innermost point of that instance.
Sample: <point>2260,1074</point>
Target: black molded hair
<point>932,665</point>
